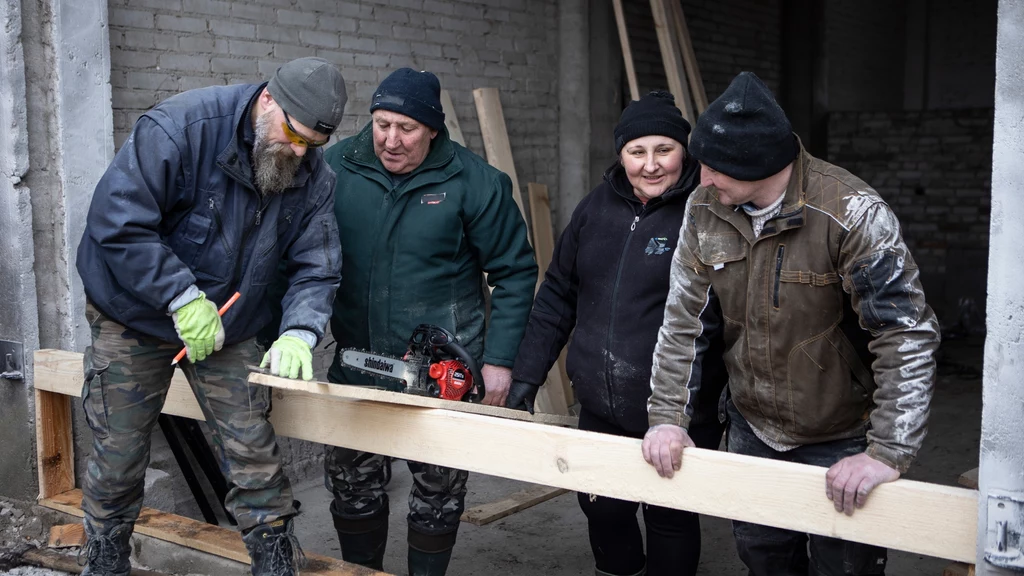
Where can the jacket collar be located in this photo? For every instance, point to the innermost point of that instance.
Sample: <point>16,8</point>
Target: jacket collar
<point>236,158</point>
<point>792,213</point>
<point>616,177</point>
<point>440,164</point>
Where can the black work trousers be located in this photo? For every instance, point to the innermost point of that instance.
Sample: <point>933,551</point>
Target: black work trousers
<point>673,536</point>
<point>769,551</point>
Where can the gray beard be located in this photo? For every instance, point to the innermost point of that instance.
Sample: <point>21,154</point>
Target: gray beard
<point>273,164</point>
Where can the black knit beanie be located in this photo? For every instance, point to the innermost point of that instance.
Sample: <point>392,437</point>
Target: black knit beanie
<point>744,133</point>
<point>653,114</point>
<point>414,94</point>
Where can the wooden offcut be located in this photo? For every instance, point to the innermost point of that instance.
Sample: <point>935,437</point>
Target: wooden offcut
<point>495,136</point>
<point>451,121</point>
<point>55,446</point>
<point>67,536</point>
<point>969,479</point>
<point>517,501</point>
<point>203,537</point>
<point>918,517</point>
<point>627,52</point>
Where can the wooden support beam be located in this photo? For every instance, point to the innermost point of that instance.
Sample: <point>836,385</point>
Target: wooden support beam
<point>904,515</point>
<point>669,45</point>
<point>521,500</point>
<point>627,52</point>
<point>451,121</point>
<point>203,537</point>
<point>55,443</point>
<point>700,96</point>
<point>495,135</point>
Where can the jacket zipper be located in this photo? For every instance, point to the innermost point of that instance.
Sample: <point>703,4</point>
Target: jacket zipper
<point>615,300</point>
<point>236,278</point>
<point>382,217</point>
<point>778,273</point>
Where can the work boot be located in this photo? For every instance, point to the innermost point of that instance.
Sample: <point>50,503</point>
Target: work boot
<point>107,554</point>
<point>273,549</point>
<point>364,540</point>
<point>429,554</point>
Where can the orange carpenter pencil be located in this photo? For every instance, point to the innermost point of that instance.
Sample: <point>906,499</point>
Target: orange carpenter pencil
<point>220,312</point>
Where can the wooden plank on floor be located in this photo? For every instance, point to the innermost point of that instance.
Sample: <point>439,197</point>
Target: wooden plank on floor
<point>67,536</point>
<point>627,52</point>
<point>495,135</point>
<point>55,443</point>
<point>203,537</point>
<point>959,569</point>
<point>517,501</point>
<point>451,121</point>
<point>918,517</point>
<point>664,28</point>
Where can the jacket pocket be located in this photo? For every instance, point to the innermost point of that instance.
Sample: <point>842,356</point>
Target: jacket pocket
<point>93,400</point>
<point>191,238</point>
<point>826,388</point>
<point>725,257</point>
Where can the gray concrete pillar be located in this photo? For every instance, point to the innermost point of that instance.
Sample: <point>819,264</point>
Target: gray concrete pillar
<point>1002,435</point>
<point>574,109</point>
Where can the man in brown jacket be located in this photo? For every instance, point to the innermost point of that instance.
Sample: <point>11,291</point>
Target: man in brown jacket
<point>829,342</point>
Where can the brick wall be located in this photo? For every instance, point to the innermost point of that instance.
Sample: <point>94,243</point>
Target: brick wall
<point>934,169</point>
<point>161,47</point>
<point>865,42</point>
<point>728,36</point>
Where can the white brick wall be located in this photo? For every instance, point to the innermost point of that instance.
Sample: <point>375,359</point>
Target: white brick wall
<point>162,47</point>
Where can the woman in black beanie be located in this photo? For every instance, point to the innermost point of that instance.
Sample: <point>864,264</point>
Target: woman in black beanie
<point>608,280</point>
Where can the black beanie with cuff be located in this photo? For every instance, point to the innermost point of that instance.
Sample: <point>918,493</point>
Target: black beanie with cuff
<point>655,114</point>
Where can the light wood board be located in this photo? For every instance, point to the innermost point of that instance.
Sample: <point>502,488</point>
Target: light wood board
<point>700,96</point>
<point>668,43</point>
<point>627,52</point>
<point>203,537</point>
<point>495,135</point>
<point>55,445</point>
<point>918,517</point>
<point>67,536</point>
<point>517,501</point>
<point>451,121</point>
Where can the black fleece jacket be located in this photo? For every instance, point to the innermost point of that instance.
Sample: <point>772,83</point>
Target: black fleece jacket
<point>608,279</point>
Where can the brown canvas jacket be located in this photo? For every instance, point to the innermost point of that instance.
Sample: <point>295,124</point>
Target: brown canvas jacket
<point>827,332</point>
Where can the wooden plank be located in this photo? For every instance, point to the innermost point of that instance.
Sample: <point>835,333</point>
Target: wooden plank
<point>670,57</point>
<point>203,537</point>
<point>627,52</point>
<point>907,515</point>
<point>64,563</point>
<point>969,479</point>
<point>55,443</point>
<point>67,536</point>
<point>959,569</point>
<point>544,247</point>
<point>495,135</point>
<point>521,500</point>
<point>700,96</point>
<point>451,121</point>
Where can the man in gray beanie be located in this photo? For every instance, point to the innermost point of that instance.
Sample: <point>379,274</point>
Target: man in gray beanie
<point>829,342</point>
<point>211,190</point>
<point>421,219</point>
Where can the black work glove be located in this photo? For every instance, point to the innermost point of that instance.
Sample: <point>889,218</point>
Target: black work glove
<point>521,396</point>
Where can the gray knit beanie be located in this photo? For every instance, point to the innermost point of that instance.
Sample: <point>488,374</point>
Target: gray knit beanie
<point>312,91</point>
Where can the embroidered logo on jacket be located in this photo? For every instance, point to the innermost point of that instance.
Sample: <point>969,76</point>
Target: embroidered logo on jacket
<point>657,246</point>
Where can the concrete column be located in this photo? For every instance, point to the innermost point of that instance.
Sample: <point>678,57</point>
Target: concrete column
<point>574,108</point>
<point>1002,436</point>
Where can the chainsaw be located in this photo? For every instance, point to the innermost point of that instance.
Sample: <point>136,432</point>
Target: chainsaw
<point>435,364</point>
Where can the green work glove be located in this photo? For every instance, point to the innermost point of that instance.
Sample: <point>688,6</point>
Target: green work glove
<point>198,325</point>
<point>287,356</point>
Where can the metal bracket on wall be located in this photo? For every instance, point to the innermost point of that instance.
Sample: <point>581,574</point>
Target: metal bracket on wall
<point>1005,526</point>
<point>12,360</point>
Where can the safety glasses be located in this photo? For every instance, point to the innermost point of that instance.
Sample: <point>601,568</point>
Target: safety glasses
<point>294,137</point>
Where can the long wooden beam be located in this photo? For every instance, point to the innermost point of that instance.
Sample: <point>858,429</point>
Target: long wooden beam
<point>627,53</point>
<point>923,518</point>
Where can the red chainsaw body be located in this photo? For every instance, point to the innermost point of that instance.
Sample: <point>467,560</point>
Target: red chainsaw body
<point>453,378</point>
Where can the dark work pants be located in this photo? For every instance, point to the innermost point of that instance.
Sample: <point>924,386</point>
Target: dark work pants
<point>771,551</point>
<point>673,536</point>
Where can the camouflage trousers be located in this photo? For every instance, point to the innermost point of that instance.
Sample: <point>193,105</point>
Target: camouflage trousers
<point>357,480</point>
<point>127,375</point>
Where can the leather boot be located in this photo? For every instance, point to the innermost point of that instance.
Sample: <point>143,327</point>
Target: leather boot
<point>108,554</point>
<point>273,549</point>
<point>363,541</point>
<point>429,554</point>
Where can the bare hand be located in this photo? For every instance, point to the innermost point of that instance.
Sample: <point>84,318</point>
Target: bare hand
<point>663,448</point>
<point>849,481</point>
<point>497,379</point>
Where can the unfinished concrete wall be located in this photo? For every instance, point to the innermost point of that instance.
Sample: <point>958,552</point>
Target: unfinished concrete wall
<point>1002,459</point>
<point>933,168</point>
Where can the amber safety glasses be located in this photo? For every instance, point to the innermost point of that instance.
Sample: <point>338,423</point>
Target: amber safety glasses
<point>294,137</point>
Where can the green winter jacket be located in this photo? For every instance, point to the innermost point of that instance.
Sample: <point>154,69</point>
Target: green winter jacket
<point>415,252</point>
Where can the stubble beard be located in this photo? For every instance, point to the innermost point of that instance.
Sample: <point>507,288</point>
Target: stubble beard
<point>274,165</point>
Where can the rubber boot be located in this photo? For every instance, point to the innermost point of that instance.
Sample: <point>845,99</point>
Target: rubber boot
<point>273,549</point>
<point>363,541</point>
<point>108,554</point>
<point>429,554</point>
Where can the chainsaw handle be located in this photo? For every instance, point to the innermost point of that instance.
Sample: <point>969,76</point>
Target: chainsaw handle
<point>455,349</point>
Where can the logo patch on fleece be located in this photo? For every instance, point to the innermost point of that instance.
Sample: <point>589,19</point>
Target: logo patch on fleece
<point>657,246</point>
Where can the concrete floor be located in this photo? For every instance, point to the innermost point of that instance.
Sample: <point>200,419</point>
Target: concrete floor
<point>551,538</point>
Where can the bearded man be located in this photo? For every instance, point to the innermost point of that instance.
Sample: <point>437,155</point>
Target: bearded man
<point>212,189</point>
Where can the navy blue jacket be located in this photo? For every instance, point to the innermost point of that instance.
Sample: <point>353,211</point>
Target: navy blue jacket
<point>178,207</point>
<point>609,279</point>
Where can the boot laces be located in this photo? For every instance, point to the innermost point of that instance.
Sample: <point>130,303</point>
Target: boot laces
<point>284,555</point>
<point>101,553</point>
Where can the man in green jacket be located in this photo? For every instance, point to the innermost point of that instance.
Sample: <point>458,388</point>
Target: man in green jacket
<point>421,219</point>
